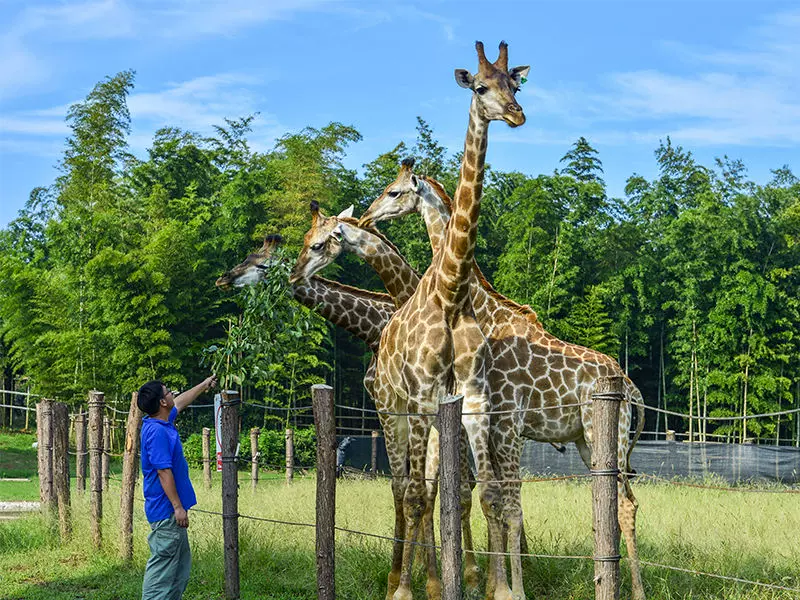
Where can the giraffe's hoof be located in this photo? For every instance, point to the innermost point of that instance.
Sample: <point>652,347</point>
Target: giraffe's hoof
<point>434,589</point>
<point>503,593</point>
<point>471,576</point>
<point>402,593</point>
<point>391,585</point>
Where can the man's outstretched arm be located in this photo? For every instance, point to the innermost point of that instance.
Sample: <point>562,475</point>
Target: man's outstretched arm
<point>186,398</point>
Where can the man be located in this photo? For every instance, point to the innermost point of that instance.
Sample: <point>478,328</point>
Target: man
<point>168,492</point>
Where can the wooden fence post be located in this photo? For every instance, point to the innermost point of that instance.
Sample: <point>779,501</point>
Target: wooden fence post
<point>96,406</point>
<point>605,470</point>
<point>254,433</point>
<point>322,400</point>
<point>80,451</point>
<point>289,455</point>
<point>106,457</point>
<point>450,502</point>
<point>230,491</point>
<point>44,451</point>
<point>130,474</point>
<point>61,468</point>
<point>374,469</point>
<point>207,457</point>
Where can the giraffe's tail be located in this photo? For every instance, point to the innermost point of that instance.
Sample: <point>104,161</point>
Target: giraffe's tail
<point>634,396</point>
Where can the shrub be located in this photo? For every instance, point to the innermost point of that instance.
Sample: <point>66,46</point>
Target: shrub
<point>271,445</point>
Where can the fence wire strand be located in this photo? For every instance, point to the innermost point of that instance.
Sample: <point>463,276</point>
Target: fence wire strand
<point>493,553</point>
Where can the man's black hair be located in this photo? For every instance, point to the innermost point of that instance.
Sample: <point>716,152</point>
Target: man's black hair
<point>150,395</point>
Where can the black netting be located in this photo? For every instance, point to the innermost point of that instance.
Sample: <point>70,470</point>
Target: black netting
<point>730,462</point>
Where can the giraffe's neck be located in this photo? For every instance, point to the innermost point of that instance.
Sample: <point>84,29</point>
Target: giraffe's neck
<point>399,278</point>
<point>458,248</point>
<point>435,213</point>
<point>364,314</point>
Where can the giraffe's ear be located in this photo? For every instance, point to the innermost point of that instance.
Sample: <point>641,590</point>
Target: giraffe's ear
<point>415,182</point>
<point>519,74</point>
<point>463,78</point>
<point>347,213</point>
<point>337,233</point>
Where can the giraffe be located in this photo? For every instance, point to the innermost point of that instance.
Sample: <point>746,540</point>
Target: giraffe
<point>362,313</point>
<point>324,241</point>
<point>433,345</point>
<point>529,367</point>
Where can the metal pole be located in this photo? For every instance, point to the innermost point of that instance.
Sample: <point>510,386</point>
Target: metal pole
<point>254,433</point>
<point>289,456</point>
<point>375,453</point>
<point>81,455</point>
<point>207,457</point>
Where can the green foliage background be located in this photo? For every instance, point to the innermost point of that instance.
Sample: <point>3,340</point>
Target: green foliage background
<point>691,280</point>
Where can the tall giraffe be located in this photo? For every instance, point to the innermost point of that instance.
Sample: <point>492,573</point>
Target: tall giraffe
<point>530,369</point>
<point>433,345</point>
<point>324,241</point>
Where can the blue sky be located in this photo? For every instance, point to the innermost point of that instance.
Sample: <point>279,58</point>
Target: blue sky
<point>719,77</point>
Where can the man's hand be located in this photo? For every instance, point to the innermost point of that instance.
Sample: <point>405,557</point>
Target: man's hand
<point>181,517</point>
<point>186,398</point>
<point>210,382</point>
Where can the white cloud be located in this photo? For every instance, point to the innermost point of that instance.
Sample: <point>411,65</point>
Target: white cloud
<point>216,18</point>
<point>197,102</point>
<point>194,105</point>
<point>85,20</point>
<point>742,95</point>
<point>33,126</point>
<point>19,68</point>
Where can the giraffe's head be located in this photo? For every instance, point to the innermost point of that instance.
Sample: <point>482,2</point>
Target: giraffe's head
<point>494,86</point>
<point>321,244</point>
<point>254,267</point>
<point>401,197</point>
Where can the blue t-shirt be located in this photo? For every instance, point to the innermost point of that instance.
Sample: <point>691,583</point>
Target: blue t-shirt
<point>162,449</point>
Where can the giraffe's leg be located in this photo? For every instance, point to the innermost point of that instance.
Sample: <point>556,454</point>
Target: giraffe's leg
<point>489,491</point>
<point>433,587</point>
<point>627,507</point>
<point>396,434</point>
<point>507,451</point>
<point>414,500</point>
<point>585,451</point>
<point>471,570</point>
<point>523,538</point>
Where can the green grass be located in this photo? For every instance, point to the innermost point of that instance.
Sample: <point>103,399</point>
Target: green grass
<point>746,535</point>
<point>18,459</point>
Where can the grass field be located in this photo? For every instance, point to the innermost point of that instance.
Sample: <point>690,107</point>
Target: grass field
<point>747,535</point>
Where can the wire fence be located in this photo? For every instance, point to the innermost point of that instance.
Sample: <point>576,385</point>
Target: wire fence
<point>656,479</point>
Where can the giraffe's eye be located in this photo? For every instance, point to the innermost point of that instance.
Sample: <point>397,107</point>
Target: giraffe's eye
<point>481,90</point>
<point>393,194</point>
<point>317,247</point>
